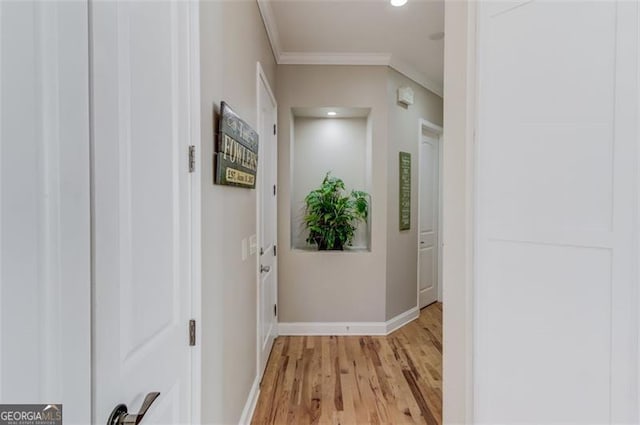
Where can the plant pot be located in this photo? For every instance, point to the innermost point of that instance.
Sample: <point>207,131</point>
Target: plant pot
<point>322,246</point>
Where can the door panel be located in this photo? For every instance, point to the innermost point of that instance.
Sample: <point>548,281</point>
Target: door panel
<point>142,208</point>
<point>267,226</point>
<point>556,283</point>
<point>428,243</point>
<point>45,275</point>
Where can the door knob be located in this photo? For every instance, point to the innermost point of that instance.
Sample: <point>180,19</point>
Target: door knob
<point>121,416</point>
<point>264,269</point>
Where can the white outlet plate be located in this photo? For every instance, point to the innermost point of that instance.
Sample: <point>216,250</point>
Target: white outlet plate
<point>253,244</point>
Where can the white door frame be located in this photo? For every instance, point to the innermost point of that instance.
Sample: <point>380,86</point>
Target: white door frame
<point>458,211</point>
<point>437,130</point>
<point>196,212</point>
<point>261,79</point>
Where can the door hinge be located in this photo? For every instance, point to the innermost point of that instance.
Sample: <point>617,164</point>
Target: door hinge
<point>274,190</point>
<point>192,333</point>
<point>192,159</point>
<point>275,250</point>
<point>274,129</point>
<point>275,310</point>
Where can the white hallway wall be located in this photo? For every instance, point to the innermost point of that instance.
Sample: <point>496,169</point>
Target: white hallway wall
<point>232,40</point>
<point>309,282</point>
<point>402,251</point>
<point>374,286</point>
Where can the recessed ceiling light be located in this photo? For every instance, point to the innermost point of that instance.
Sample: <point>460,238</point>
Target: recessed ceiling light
<point>436,36</point>
<point>398,3</point>
<point>332,113</point>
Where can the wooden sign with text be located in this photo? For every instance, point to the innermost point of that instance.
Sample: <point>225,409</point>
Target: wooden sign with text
<point>236,153</point>
<point>405,191</point>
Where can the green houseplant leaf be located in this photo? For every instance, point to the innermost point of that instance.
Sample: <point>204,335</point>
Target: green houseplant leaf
<point>332,214</point>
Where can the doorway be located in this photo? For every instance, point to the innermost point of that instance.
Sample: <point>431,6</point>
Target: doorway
<point>429,237</point>
<point>267,221</point>
<point>100,281</point>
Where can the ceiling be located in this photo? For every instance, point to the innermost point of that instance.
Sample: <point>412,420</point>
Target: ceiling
<point>360,32</point>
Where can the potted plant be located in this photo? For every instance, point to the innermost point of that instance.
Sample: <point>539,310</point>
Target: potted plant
<point>332,214</point>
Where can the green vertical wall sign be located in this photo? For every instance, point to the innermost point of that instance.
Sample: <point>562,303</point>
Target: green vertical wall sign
<point>405,191</point>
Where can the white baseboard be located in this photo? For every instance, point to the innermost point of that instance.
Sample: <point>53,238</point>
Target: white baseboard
<point>250,405</point>
<point>402,319</point>
<point>348,328</point>
<point>331,328</point>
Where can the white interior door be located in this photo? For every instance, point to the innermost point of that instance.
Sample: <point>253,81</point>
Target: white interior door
<point>267,222</point>
<point>141,208</point>
<point>556,286</point>
<point>45,276</point>
<point>429,211</point>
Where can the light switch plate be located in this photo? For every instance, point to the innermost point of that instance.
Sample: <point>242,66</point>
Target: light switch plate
<point>253,244</point>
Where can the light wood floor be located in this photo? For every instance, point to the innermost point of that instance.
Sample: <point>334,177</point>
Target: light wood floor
<point>394,379</point>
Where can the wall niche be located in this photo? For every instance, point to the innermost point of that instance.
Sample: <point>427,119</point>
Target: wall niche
<point>336,140</point>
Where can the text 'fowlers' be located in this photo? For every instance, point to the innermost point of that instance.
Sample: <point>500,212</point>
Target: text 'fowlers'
<point>238,154</point>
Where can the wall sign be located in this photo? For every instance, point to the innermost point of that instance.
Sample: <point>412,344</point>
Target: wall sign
<point>236,153</point>
<point>405,191</point>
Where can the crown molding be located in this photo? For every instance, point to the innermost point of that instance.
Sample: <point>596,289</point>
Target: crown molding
<point>270,25</point>
<point>384,59</point>
<point>333,58</point>
<point>412,73</point>
<point>338,58</point>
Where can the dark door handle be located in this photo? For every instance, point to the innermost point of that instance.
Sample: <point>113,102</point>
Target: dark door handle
<point>121,416</point>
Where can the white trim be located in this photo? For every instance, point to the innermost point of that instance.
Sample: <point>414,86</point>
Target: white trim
<point>430,126</point>
<point>348,328</point>
<point>272,29</point>
<point>196,212</point>
<point>402,319</point>
<point>458,212</point>
<point>331,328</point>
<point>440,216</point>
<point>262,76</point>
<point>262,80</point>
<point>250,405</point>
<point>470,106</point>
<point>339,58</point>
<point>334,58</point>
<point>438,130</point>
<point>638,219</point>
<point>419,77</point>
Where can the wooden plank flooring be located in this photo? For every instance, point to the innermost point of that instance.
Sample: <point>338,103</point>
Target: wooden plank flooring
<point>394,379</point>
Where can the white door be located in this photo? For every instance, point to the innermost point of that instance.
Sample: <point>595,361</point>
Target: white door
<point>141,208</point>
<point>45,276</point>
<point>429,209</point>
<point>267,222</point>
<point>556,286</point>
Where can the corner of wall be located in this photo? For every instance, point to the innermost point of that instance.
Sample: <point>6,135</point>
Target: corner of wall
<point>402,252</point>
